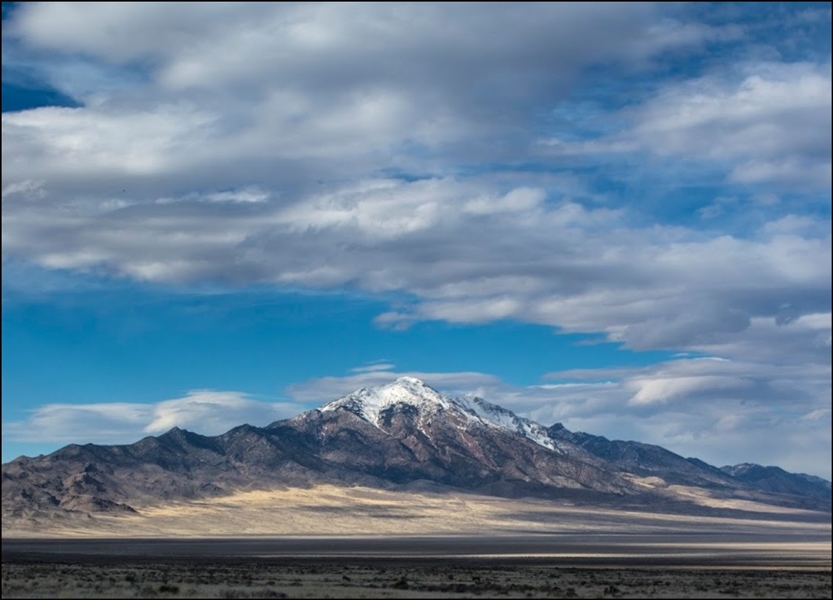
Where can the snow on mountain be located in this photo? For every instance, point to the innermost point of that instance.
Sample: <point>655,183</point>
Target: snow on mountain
<point>492,414</point>
<point>369,403</point>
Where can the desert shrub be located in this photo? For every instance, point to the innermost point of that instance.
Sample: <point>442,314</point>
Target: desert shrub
<point>234,593</point>
<point>168,589</point>
<point>402,584</point>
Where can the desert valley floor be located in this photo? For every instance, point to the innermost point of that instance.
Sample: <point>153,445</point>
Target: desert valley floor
<point>360,542</point>
<point>361,511</point>
<point>531,566</point>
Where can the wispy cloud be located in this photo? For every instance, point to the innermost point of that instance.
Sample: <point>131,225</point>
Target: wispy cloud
<point>207,412</point>
<point>374,366</point>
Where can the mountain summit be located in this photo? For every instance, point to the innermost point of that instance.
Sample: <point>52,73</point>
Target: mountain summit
<point>369,403</point>
<point>402,434</point>
<point>377,405</point>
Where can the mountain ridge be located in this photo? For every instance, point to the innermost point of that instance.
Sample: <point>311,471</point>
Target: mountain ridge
<point>401,434</point>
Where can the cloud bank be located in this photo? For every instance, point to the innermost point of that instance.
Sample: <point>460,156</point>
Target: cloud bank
<point>256,145</point>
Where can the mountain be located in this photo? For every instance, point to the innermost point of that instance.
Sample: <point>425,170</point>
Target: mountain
<point>409,391</point>
<point>404,435</point>
<point>406,431</point>
<point>776,479</point>
<point>647,460</point>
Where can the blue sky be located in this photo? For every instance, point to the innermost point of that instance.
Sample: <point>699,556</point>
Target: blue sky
<point>616,217</point>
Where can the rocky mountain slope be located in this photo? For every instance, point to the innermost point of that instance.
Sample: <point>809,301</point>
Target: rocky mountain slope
<point>776,479</point>
<point>403,435</point>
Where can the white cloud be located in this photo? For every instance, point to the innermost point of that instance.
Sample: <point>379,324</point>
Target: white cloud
<point>794,224</point>
<point>768,121</point>
<point>375,366</point>
<point>61,423</point>
<point>517,200</point>
<point>662,390</point>
<point>210,412</point>
<point>238,43</point>
<point>26,188</point>
<point>774,109</point>
<point>98,142</point>
<point>555,263</point>
<point>207,412</point>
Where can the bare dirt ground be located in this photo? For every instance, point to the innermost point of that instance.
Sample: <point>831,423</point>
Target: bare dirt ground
<point>397,579</point>
<point>334,510</point>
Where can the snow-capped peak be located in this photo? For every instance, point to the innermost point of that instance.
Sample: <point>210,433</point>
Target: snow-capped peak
<point>368,403</point>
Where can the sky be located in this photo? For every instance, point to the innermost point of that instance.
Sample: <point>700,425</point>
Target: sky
<point>613,216</point>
